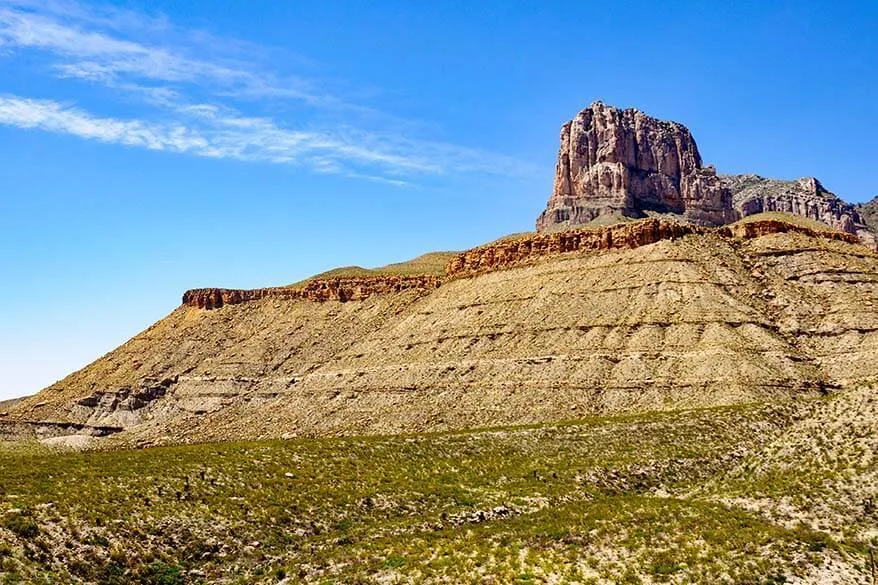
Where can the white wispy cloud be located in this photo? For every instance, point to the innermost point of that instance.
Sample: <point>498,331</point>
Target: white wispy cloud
<point>54,117</point>
<point>98,56</point>
<point>215,133</point>
<point>105,46</point>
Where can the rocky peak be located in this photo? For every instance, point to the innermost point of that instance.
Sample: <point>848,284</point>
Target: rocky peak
<point>616,162</point>
<point>623,163</point>
<point>807,197</point>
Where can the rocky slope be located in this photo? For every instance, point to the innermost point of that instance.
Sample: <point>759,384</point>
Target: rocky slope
<point>616,163</point>
<point>869,213</point>
<point>805,197</point>
<point>636,317</point>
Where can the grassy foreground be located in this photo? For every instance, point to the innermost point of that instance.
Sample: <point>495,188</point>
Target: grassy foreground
<point>611,500</point>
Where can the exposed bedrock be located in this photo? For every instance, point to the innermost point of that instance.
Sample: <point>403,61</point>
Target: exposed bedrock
<point>623,162</point>
<point>321,290</point>
<point>521,250</point>
<point>616,163</point>
<point>650,315</point>
<point>497,256</point>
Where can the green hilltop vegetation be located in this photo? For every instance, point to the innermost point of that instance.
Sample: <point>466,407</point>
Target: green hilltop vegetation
<point>432,263</point>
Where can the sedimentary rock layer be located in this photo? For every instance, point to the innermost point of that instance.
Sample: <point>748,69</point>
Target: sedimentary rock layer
<point>319,290</point>
<point>500,255</point>
<point>761,311</point>
<point>521,250</point>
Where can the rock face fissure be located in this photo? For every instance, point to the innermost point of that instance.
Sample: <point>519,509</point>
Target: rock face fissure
<point>335,289</point>
<point>616,163</point>
<point>507,254</point>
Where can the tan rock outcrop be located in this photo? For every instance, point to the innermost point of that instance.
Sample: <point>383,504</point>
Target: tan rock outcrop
<point>318,290</point>
<point>522,250</point>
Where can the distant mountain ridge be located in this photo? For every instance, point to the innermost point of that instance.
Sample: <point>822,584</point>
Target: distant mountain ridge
<point>623,163</point>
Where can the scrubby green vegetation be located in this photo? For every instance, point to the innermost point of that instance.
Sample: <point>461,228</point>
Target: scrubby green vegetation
<point>599,499</point>
<point>821,472</point>
<point>790,218</point>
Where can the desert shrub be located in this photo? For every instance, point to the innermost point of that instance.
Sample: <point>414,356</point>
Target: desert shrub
<point>394,562</point>
<point>22,525</point>
<point>159,573</point>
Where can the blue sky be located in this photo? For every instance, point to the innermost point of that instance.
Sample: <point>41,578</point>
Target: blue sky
<point>148,148</point>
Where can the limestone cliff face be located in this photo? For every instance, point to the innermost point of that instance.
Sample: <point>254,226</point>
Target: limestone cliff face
<point>616,163</point>
<point>319,290</point>
<point>753,194</point>
<point>623,162</point>
<point>499,256</point>
<point>513,252</point>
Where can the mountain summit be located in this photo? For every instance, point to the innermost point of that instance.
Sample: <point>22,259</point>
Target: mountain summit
<point>622,162</point>
<point>615,164</point>
<point>692,306</point>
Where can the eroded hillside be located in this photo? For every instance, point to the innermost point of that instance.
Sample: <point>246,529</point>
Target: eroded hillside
<point>650,315</point>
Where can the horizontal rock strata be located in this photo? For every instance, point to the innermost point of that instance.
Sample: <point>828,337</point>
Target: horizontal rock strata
<point>497,256</point>
<point>321,290</point>
<point>541,328</point>
<point>509,253</point>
